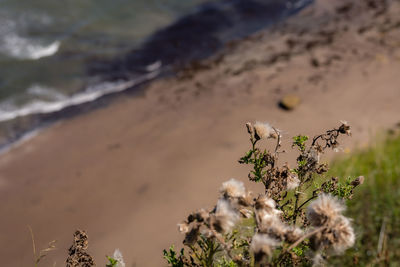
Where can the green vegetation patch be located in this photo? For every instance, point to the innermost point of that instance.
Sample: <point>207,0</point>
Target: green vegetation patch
<point>375,207</point>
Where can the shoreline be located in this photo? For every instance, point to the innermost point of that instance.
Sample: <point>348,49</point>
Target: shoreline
<point>163,53</point>
<point>128,172</point>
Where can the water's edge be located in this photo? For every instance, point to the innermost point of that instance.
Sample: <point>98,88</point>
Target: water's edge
<point>196,36</point>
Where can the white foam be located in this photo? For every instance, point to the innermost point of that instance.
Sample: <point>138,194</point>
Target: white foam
<point>90,94</point>
<point>24,48</point>
<point>47,92</point>
<point>154,66</point>
<point>14,43</point>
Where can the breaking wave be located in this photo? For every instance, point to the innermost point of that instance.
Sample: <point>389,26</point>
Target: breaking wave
<point>23,48</point>
<point>9,111</point>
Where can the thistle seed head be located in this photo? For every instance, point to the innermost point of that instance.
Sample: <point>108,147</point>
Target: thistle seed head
<point>118,256</point>
<point>324,209</point>
<point>183,228</point>
<point>233,189</point>
<point>344,235</point>
<point>318,260</point>
<point>262,246</point>
<point>225,217</point>
<point>293,234</point>
<point>264,131</point>
<point>338,237</point>
<point>292,181</point>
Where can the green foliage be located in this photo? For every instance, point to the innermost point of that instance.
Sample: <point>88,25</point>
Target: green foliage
<point>259,161</point>
<point>376,208</point>
<point>172,257</point>
<point>226,263</point>
<point>300,142</point>
<point>342,189</point>
<point>111,262</point>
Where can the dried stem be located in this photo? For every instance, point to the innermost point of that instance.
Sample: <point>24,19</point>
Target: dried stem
<point>279,141</point>
<point>301,239</point>
<point>33,243</point>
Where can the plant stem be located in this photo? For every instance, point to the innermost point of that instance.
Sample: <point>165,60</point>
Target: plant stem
<point>305,202</point>
<point>295,210</point>
<point>301,239</point>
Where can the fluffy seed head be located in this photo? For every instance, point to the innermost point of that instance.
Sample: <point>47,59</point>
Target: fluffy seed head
<point>315,154</point>
<point>318,260</point>
<point>293,234</point>
<point>264,202</point>
<point>324,209</point>
<point>267,206</point>
<point>183,228</point>
<point>206,232</point>
<point>225,217</point>
<point>246,213</point>
<point>337,237</point>
<point>262,246</point>
<point>263,130</point>
<point>344,235</point>
<point>118,256</point>
<point>192,235</point>
<point>292,181</point>
<point>268,218</point>
<point>233,189</point>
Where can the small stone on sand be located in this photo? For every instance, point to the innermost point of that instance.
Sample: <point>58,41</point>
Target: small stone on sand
<point>289,102</point>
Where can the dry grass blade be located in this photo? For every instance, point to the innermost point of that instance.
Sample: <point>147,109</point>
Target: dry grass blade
<point>33,241</point>
<point>42,253</point>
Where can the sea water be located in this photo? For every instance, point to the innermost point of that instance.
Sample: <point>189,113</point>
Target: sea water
<point>52,53</point>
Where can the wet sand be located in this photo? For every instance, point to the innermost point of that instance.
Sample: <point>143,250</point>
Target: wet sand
<point>127,173</point>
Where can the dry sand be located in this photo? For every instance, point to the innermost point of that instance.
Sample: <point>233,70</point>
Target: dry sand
<point>129,172</point>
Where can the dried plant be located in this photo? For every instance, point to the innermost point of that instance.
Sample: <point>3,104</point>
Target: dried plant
<point>77,255</point>
<point>296,222</point>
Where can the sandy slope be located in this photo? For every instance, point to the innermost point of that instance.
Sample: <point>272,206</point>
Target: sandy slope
<point>129,172</point>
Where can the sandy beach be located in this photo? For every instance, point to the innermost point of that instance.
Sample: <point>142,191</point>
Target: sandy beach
<point>129,172</point>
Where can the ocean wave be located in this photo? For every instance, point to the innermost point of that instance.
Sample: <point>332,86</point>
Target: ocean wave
<point>23,48</point>
<point>10,112</point>
<point>46,92</point>
<point>14,41</point>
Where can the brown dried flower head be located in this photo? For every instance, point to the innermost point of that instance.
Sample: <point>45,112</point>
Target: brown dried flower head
<point>77,255</point>
<point>345,128</point>
<point>250,128</point>
<point>358,181</point>
<point>192,235</point>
